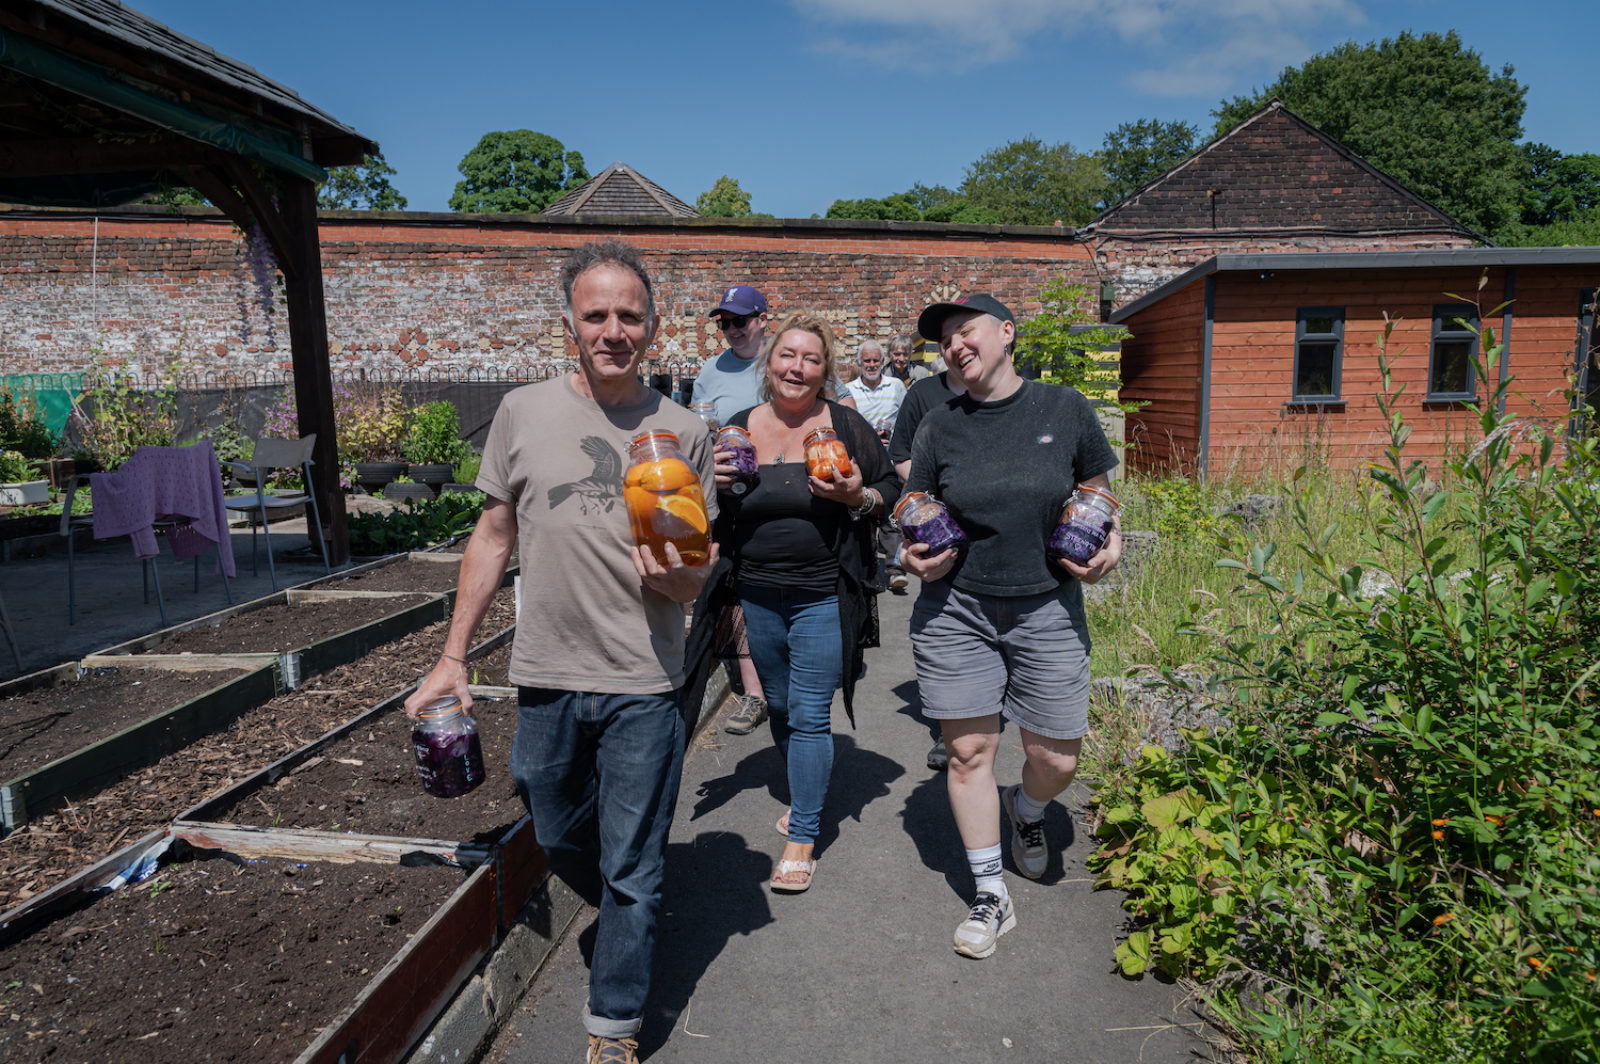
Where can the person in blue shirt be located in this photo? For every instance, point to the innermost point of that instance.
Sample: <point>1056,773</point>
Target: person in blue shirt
<point>730,379</point>
<point>730,382</point>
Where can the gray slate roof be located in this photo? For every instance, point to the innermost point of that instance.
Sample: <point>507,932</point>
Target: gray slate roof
<point>621,190</point>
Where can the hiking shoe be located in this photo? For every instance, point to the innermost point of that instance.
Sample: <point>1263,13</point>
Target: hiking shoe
<point>939,757</point>
<point>991,917</point>
<point>749,713</point>
<point>612,1050</point>
<point>897,580</point>
<point>1027,837</point>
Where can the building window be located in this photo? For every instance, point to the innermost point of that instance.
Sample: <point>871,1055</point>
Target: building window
<point>1455,344</point>
<point>1318,350</point>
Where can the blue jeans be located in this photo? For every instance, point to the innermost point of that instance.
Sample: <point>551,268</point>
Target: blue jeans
<point>600,772</point>
<point>794,642</point>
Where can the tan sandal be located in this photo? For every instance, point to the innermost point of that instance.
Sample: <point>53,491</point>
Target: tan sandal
<point>783,825</point>
<point>783,884</point>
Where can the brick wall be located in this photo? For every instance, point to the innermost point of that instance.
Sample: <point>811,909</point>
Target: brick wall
<point>449,294</point>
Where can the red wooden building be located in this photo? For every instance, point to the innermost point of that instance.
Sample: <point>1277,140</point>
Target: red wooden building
<point>1247,362</point>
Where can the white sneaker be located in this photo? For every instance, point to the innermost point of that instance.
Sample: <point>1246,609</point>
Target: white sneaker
<point>990,917</point>
<point>1027,837</point>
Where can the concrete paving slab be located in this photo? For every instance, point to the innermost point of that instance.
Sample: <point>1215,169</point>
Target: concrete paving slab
<point>861,966</point>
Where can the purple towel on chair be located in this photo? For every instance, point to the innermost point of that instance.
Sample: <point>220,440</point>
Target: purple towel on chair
<point>175,482</point>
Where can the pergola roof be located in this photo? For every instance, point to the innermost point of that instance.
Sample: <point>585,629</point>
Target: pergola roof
<point>620,190</point>
<point>100,104</point>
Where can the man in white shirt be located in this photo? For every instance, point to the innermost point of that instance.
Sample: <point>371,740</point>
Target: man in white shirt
<point>730,379</point>
<point>878,396</point>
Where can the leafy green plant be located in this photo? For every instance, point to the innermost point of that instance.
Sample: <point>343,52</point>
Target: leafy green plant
<point>23,428</point>
<point>111,418</point>
<point>14,467</point>
<point>467,466</point>
<point>1405,817</point>
<point>434,437</point>
<point>371,420</point>
<point>1064,350</point>
<point>415,524</point>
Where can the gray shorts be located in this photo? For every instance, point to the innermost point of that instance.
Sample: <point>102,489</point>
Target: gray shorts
<point>1027,658</point>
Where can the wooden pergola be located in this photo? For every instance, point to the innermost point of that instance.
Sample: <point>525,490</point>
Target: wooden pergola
<point>101,105</point>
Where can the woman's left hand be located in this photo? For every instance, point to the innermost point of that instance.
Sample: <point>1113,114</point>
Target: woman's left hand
<point>1102,563</point>
<point>844,490</point>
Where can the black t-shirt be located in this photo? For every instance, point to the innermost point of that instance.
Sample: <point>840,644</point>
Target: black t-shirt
<point>922,396</point>
<point>1004,469</point>
<point>784,535</point>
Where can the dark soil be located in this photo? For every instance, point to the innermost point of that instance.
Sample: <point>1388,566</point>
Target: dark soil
<point>406,575</point>
<point>367,783</point>
<point>210,960</point>
<point>48,850</point>
<point>280,627</point>
<point>40,726</point>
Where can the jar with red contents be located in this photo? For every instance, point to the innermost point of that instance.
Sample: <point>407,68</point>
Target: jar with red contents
<point>825,454</point>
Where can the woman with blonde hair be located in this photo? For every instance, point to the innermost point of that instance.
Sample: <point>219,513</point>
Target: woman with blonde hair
<point>800,558</point>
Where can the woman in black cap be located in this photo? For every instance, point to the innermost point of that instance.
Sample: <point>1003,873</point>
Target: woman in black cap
<point>999,629</point>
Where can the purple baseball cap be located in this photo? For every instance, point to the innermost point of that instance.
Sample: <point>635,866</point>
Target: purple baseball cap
<point>740,300</point>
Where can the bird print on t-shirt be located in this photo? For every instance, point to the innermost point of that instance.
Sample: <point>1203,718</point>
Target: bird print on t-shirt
<point>600,489</point>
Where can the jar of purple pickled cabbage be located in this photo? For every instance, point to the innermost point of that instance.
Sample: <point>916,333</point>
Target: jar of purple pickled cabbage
<point>923,519</point>
<point>735,439</point>
<point>1086,522</point>
<point>449,756</point>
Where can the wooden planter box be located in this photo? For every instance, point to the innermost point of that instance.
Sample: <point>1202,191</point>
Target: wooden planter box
<point>139,745</point>
<point>390,1011</point>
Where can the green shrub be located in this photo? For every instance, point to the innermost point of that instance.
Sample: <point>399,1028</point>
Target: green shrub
<point>416,524</point>
<point>434,437</point>
<point>23,428</point>
<point>466,470</point>
<point>1393,854</point>
<point>111,419</point>
<point>14,467</point>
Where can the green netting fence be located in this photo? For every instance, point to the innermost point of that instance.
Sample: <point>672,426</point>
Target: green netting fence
<point>52,393</point>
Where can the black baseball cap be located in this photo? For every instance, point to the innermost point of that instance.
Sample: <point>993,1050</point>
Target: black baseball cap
<point>930,323</point>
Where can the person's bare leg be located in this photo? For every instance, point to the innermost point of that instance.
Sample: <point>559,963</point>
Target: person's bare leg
<point>749,678</point>
<point>1050,765</point>
<point>972,744</point>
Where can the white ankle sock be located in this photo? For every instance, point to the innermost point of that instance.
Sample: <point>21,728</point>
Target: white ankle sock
<point>986,870</point>
<point>1027,808</point>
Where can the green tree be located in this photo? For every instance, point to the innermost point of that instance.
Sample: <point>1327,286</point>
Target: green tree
<point>1423,109</point>
<point>1136,153</point>
<point>513,171</point>
<point>1029,182</point>
<point>724,199</point>
<point>898,207</point>
<point>363,186</point>
<point>1558,187</point>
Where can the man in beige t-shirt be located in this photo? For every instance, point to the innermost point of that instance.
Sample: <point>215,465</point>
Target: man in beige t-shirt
<point>599,650</point>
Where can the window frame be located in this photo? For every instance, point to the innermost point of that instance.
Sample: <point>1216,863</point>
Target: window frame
<point>1446,330</point>
<point>1296,397</point>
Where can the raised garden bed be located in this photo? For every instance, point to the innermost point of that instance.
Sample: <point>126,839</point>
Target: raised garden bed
<point>241,948</point>
<point>297,620</point>
<point>53,846</point>
<point>67,736</point>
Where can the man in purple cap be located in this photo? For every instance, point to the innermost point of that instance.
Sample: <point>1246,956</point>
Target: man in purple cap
<point>730,379</point>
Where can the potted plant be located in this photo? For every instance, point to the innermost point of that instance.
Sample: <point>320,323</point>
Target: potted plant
<point>403,487</point>
<point>465,473</point>
<point>370,434</point>
<point>16,489</point>
<point>433,444</point>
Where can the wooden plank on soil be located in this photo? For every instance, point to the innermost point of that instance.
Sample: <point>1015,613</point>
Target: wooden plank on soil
<point>338,847</point>
<point>320,594</point>
<point>35,681</point>
<point>401,1002</point>
<point>137,746</point>
<point>183,662</point>
<point>72,893</point>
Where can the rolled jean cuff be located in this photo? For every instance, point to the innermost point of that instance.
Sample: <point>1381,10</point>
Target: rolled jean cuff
<point>602,1027</point>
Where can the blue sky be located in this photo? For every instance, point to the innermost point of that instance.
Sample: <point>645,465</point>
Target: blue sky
<point>807,101</point>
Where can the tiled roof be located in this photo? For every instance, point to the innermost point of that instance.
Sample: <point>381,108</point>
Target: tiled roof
<point>619,189</point>
<point>1274,170</point>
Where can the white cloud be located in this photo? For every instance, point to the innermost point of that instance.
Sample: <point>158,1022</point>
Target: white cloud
<point>1191,46</point>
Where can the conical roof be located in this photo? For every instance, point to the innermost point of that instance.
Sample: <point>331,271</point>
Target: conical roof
<point>620,189</point>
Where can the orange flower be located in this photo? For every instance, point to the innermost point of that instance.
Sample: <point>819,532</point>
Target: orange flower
<point>1441,822</point>
<point>1438,834</point>
<point>1497,821</point>
<point>1443,918</point>
<point>1589,975</point>
<point>1535,962</point>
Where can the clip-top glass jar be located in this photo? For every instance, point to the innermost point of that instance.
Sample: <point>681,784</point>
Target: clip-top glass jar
<point>449,756</point>
<point>924,519</point>
<point>1086,522</point>
<point>708,413</point>
<point>825,453</point>
<point>735,439</point>
<point>665,504</point>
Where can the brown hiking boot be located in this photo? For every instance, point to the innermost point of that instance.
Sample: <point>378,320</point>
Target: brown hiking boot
<point>613,1050</point>
<point>749,713</point>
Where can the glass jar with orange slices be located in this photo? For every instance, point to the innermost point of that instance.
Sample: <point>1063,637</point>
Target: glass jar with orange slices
<point>664,500</point>
<point>825,453</point>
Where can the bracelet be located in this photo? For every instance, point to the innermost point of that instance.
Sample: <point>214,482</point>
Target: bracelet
<point>869,500</point>
<point>452,657</point>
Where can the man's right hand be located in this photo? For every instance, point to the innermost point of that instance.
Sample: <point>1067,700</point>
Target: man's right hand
<point>449,677</point>
<point>915,560</point>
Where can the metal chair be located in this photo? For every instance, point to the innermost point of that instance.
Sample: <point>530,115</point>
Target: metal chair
<point>70,525</point>
<point>5,626</point>
<point>271,454</point>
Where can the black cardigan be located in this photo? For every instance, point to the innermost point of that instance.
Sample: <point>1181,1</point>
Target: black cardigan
<point>856,549</point>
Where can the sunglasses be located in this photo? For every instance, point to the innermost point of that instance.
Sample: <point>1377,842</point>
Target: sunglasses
<point>728,321</point>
